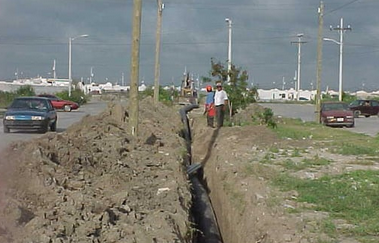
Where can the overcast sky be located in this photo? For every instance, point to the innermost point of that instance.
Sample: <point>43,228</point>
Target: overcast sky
<point>35,32</point>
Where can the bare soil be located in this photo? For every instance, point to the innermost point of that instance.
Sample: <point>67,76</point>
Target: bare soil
<point>97,183</point>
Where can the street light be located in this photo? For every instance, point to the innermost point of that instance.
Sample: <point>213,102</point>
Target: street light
<point>340,67</point>
<point>229,21</point>
<point>299,43</point>
<point>341,31</point>
<point>69,60</point>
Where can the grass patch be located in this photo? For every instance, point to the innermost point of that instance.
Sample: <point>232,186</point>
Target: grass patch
<point>290,164</point>
<point>352,196</point>
<point>338,140</point>
<point>349,148</point>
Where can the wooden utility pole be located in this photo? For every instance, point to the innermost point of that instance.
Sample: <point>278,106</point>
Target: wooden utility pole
<point>134,74</point>
<point>319,60</point>
<point>157,52</point>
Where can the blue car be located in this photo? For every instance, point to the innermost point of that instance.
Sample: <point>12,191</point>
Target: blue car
<point>31,113</point>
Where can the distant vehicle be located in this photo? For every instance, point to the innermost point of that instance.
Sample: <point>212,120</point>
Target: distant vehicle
<point>31,113</point>
<point>60,104</point>
<point>365,108</point>
<point>336,114</point>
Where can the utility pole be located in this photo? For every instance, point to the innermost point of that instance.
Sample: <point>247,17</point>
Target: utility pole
<point>341,30</point>
<point>299,43</point>
<point>229,21</point>
<point>319,60</point>
<point>134,74</point>
<point>157,51</point>
<point>91,76</point>
<point>54,71</point>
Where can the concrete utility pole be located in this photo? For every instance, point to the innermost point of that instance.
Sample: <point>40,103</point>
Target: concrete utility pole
<point>299,43</point>
<point>319,60</point>
<point>91,76</point>
<point>70,61</point>
<point>54,71</point>
<point>157,51</point>
<point>134,74</point>
<point>229,21</point>
<point>341,30</point>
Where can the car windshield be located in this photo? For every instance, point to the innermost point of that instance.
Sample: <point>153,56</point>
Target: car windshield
<point>335,106</point>
<point>29,104</point>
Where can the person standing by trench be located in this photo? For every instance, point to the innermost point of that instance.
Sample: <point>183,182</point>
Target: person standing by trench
<point>209,106</point>
<point>221,101</point>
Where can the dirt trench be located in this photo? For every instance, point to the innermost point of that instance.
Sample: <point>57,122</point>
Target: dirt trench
<point>242,199</point>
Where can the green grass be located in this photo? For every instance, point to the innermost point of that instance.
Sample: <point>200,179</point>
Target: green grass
<point>353,197</point>
<point>339,141</point>
<point>290,164</point>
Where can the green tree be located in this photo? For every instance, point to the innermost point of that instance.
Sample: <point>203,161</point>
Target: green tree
<point>237,88</point>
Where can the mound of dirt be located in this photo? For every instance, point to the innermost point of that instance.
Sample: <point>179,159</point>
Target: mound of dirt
<point>97,183</point>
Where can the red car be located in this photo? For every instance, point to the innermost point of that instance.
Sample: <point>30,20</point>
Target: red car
<point>336,114</point>
<point>60,104</point>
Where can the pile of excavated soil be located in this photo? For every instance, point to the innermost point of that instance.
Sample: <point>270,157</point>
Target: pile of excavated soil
<point>97,183</point>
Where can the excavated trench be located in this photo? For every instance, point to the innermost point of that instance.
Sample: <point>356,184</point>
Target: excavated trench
<point>202,210</point>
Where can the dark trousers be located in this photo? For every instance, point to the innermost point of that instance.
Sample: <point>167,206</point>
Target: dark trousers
<point>210,121</point>
<point>220,113</point>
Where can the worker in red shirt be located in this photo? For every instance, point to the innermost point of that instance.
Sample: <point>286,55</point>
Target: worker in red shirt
<point>209,106</point>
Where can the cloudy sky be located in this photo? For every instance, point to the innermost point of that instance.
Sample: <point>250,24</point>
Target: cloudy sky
<point>34,33</point>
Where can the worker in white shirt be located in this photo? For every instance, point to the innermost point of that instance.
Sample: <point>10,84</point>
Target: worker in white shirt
<point>220,101</point>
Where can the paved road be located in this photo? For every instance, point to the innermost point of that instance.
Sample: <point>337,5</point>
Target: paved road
<point>65,119</point>
<point>306,112</point>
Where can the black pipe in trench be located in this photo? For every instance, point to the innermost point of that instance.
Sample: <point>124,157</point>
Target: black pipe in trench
<point>202,209</point>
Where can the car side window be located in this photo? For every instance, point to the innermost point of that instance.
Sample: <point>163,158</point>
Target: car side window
<point>49,105</point>
<point>375,103</point>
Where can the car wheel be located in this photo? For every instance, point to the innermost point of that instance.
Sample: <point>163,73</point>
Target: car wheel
<point>367,115</point>
<point>53,127</point>
<point>356,114</point>
<point>350,126</point>
<point>45,128</point>
<point>67,108</point>
<point>6,129</point>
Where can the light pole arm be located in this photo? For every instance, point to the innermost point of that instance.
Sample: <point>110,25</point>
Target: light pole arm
<point>332,40</point>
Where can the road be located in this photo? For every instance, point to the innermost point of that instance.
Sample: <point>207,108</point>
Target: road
<point>306,112</point>
<point>65,119</point>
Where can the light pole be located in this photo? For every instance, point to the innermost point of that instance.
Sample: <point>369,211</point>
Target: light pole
<point>229,21</point>
<point>157,51</point>
<point>340,67</point>
<point>341,31</point>
<point>69,61</point>
<point>299,42</point>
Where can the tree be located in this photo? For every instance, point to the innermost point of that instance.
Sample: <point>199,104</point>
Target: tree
<point>238,92</point>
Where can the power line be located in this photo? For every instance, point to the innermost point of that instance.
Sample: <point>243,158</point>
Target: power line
<point>342,6</point>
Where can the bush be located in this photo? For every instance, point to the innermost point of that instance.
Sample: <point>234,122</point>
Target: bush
<point>7,97</point>
<point>165,96</point>
<point>77,96</point>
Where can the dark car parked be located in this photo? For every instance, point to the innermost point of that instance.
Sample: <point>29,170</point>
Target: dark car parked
<point>35,113</point>
<point>365,108</point>
<point>337,114</point>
